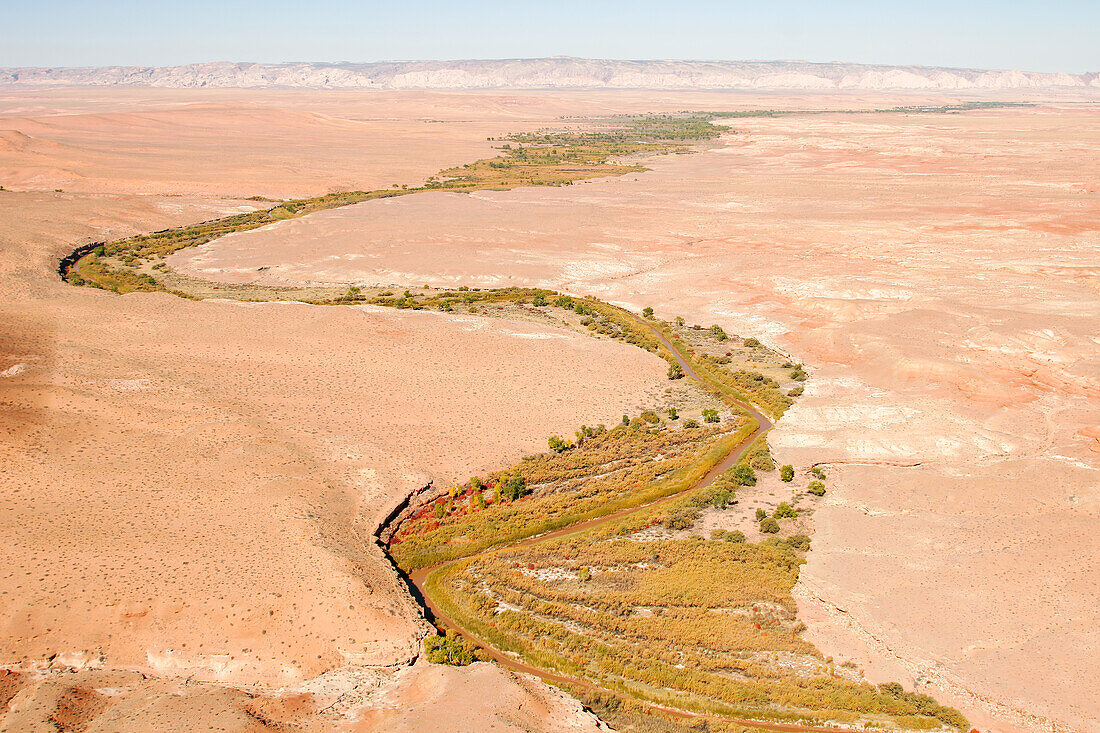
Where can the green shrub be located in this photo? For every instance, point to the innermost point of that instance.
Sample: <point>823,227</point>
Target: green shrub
<point>761,514</point>
<point>752,343</point>
<point>785,511</point>
<point>816,488</point>
<point>710,415</point>
<point>818,472</point>
<point>743,475</point>
<point>718,333</point>
<point>799,542</point>
<point>690,424</point>
<point>647,312</point>
<point>735,536</point>
<point>675,371</point>
<point>769,526</point>
<point>651,417</point>
<point>672,414</point>
<point>787,473</point>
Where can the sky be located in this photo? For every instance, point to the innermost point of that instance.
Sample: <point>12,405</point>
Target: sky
<point>1010,34</point>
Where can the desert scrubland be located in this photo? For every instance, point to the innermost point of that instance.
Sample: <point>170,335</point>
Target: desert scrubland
<point>190,489</point>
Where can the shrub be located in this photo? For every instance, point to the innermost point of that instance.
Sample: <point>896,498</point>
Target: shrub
<point>818,472</point>
<point>761,515</point>
<point>785,511</point>
<point>718,333</point>
<point>752,343</point>
<point>647,312</point>
<point>651,417</point>
<point>690,424</point>
<point>479,501</point>
<point>675,371</point>
<point>798,374</point>
<point>710,415</point>
<point>743,475</point>
<point>787,473</point>
<point>816,488</point>
<point>735,536</point>
<point>795,391</point>
<point>584,574</point>
<point>672,414</point>
<point>475,483</point>
<point>769,525</point>
<point>564,301</point>
<point>721,499</point>
<point>539,300</point>
<point>799,542</point>
<point>717,534</point>
<point>445,650</point>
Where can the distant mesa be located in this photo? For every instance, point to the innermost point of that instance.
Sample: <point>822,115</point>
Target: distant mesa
<point>554,73</point>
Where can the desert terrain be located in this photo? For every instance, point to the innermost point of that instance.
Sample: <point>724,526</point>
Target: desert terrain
<point>191,488</point>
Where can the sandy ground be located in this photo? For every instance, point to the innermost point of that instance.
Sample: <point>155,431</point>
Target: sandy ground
<point>938,275</point>
<point>190,489</point>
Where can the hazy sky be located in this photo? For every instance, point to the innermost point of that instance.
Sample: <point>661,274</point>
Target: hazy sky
<point>1035,36</point>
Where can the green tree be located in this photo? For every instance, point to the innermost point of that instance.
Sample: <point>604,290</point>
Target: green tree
<point>710,415</point>
<point>675,371</point>
<point>445,650</point>
<point>558,444</point>
<point>718,333</point>
<point>539,300</point>
<point>817,488</point>
<point>647,312</point>
<point>787,473</point>
<point>475,483</point>
<point>515,486</point>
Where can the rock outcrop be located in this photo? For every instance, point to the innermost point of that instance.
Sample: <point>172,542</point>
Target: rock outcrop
<point>554,73</point>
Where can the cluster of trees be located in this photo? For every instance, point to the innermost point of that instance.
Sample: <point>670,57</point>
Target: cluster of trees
<point>447,650</point>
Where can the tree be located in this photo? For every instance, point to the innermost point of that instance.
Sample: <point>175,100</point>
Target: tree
<point>445,650</point>
<point>710,415</point>
<point>515,486</point>
<point>769,526</point>
<point>718,333</point>
<point>647,312</point>
<point>475,483</point>
<point>818,472</point>
<point>679,320</point>
<point>539,300</point>
<point>785,511</point>
<point>479,501</point>
<point>816,488</point>
<point>440,510</point>
<point>787,473</point>
<point>675,371</point>
<point>558,445</point>
<point>626,419</point>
